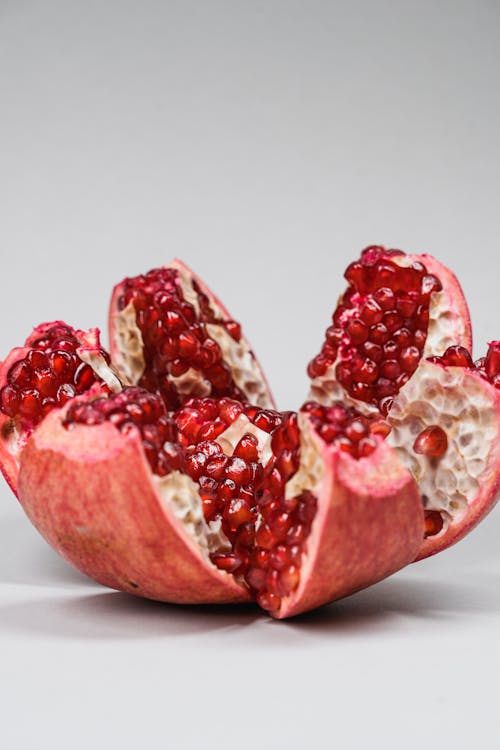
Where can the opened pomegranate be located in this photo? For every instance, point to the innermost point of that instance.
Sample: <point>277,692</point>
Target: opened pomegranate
<point>171,335</point>
<point>399,313</point>
<point>221,501</point>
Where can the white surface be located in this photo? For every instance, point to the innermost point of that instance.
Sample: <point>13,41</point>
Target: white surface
<point>265,143</point>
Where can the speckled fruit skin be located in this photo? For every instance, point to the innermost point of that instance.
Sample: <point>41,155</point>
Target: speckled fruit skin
<point>368,525</point>
<point>89,492</point>
<point>91,496</point>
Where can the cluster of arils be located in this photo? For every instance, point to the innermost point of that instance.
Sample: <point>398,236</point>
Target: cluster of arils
<point>379,327</point>
<point>175,334</point>
<point>50,374</point>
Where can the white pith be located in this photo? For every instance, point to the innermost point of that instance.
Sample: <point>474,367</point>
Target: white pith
<point>244,369</point>
<point>464,407</point>
<point>310,473</point>
<point>129,344</point>
<point>181,494</point>
<point>445,329</point>
<point>229,439</point>
<point>100,367</point>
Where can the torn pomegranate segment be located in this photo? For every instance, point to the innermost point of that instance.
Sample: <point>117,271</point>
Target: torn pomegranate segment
<point>396,309</point>
<point>170,335</point>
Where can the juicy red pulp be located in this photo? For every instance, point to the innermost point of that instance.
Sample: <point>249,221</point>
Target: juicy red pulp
<point>379,327</point>
<point>48,376</point>
<point>267,532</point>
<point>175,336</point>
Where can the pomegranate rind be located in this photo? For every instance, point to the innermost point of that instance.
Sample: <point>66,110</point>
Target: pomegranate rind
<point>369,524</point>
<point>266,400</point>
<point>449,303</point>
<point>89,491</point>
<point>472,398</point>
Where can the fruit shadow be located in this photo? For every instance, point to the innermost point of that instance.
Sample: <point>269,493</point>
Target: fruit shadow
<point>406,597</point>
<point>26,559</point>
<point>115,615</point>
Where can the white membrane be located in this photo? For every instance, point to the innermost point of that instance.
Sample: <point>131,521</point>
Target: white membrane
<point>458,402</point>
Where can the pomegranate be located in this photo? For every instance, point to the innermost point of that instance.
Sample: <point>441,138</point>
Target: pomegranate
<point>170,334</point>
<point>56,363</point>
<point>220,500</point>
<point>382,353</point>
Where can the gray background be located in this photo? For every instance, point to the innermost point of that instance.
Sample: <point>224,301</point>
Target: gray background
<point>265,143</point>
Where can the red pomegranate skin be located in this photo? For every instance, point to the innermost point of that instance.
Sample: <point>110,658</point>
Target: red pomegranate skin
<point>369,525</point>
<point>115,528</point>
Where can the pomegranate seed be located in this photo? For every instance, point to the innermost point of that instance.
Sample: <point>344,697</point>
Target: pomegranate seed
<point>371,312</point>
<point>230,563</point>
<point>409,359</point>
<point>431,442</point>
<point>366,446</point>
<point>264,537</point>
<point>433,522</point>
<point>385,298</point>
<point>20,375</point>
<point>29,403</point>
<point>37,359</point>
<point>256,578</point>
<point>355,274</point>
<point>390,369</point>
<point>356,430</point>
<point>237,512</point>
<point>492,363</point>
<point>269,602</point>
<point>9,401</point>
<point>234,329</point>
<point>237,470</point>
<point>84,377</point>
<point>357,331</point>
<point>288,580</point>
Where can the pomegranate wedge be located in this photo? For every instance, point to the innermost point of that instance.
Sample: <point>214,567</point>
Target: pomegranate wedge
<point>171,335</point>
